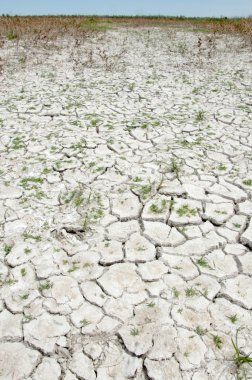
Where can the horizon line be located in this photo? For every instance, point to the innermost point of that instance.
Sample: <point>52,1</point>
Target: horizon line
<point>121,16</point>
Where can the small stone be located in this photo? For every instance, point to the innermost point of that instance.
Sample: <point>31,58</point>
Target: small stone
<point>82,366</point>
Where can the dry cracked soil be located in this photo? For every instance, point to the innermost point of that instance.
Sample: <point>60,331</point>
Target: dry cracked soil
<point>125,207</point>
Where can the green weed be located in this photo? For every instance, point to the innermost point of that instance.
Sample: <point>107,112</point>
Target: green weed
<point>186,210</point>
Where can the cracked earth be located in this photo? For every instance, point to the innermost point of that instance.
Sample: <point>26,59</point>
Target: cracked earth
<point>125,207</point>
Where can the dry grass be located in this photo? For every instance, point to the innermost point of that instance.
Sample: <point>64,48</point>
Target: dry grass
<point>39,28</point>
<point>52,27</point>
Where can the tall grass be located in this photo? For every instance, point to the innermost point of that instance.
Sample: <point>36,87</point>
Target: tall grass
<point>51,27</point>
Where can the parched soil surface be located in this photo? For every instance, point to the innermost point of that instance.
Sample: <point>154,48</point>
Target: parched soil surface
<point>125,206</point>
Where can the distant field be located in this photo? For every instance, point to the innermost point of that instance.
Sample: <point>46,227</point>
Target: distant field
<point>14,27</point>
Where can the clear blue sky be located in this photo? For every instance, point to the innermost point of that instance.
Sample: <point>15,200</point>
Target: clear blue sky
<point>229,8</point>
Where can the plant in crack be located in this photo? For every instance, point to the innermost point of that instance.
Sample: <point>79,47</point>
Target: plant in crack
<point>93,210</point>
<point>176,166</point>
<point>45,286</point>
<point>186,210</point>
<point>145,191</point>
<point>247,182</point>
<point>200,331</point>
<point>176,292</point>
<point>218,342</point>
<point>241,360</point>
<point>233,318</point>
<point>200,116</point>
<point>134,331</point>
<point>30,183</point>
<point>27,235</point>
<point>84,322</point>
<point>75,197</point>
<point>88,204</point>
<point>156,209</point>
<point>8,248</point>
<point>23,272</point>
<point>204,263</point>
<point>191,292</point>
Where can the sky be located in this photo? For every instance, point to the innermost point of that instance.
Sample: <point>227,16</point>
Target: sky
<point>197,8</point>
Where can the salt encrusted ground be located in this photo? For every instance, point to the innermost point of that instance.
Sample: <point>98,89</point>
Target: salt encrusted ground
<point>125,207</point>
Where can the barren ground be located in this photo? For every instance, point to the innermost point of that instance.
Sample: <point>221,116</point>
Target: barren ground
<point>125,207</point>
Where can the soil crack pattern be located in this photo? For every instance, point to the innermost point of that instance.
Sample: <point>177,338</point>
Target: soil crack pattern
<point>125,206</point>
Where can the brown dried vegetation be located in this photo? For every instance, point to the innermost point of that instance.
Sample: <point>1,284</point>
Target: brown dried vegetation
<point>51,27</point>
